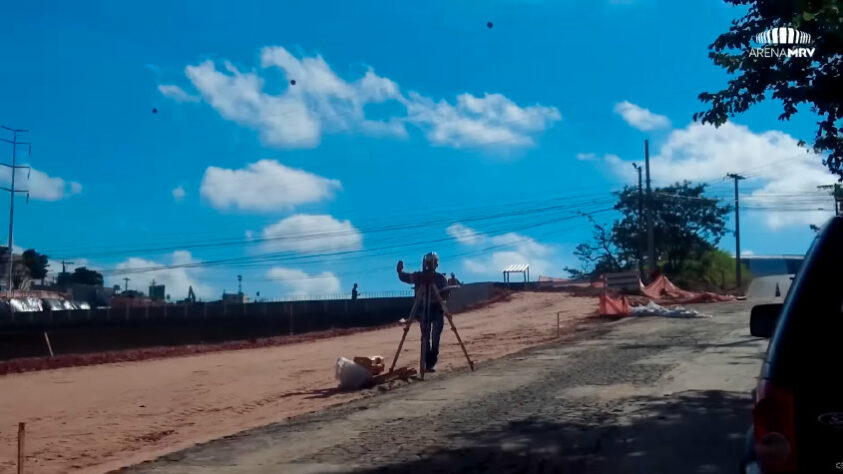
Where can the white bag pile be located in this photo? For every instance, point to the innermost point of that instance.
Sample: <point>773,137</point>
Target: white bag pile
<point>351,375</point>
<point>652,309</point>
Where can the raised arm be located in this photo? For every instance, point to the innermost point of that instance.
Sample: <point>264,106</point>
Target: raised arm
<point>402,275</point>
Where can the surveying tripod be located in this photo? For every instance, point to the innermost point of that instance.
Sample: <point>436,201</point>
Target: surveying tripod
<point>426,293</point>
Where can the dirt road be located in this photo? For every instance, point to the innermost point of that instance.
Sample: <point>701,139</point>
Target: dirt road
<point>97,418</point>
<point>638,395</point>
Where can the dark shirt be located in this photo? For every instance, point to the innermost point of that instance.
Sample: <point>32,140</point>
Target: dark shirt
<point>439,280</point>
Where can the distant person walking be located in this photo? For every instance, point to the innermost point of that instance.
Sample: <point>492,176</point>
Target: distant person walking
<point>354,293</point>
<point>453,280</point>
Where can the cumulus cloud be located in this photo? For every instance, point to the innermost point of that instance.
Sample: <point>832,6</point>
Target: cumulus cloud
<point>308,233</point>
<point>264,186</point>
<point>322,102</point>
<point>506,249</point>
<point>41,186</point>
<point>177,281</point>
<point>639,117</point>
<point>179,193</point>
<point>492,120</point>
<point>298,283</point>
<point>586,156</point>
<point>464,234</point>
<point>177,93</point>
<point>788,176</point>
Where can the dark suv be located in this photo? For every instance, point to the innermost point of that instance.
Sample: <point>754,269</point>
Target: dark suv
<point>798,415</point>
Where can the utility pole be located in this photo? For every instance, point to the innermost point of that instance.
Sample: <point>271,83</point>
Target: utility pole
<point>836,193</point>
<point>64,264</point>
<point>640,222</point>
<point>126,279</point>
<point>239,284</point>
<point>738,279</point>
<point>651,251</point>
<point>12,191</point>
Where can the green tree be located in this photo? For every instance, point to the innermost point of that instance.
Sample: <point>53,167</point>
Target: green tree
<point>714,268</point>
<point>686,225</point>
<point>600,255</point>
<point>20,272</point>
<point>81,276</point>
<point>36,263</point>
<point>816,82</point>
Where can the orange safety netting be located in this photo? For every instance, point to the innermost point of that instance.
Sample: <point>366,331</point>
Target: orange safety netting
<point>613,306</point>
<point>663,290</point>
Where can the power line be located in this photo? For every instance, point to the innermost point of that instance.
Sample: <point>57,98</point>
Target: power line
<point>327,234</point>
<point>274,258</point>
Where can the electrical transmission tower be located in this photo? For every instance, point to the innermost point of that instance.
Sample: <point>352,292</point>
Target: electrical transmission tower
<point>14,167</point>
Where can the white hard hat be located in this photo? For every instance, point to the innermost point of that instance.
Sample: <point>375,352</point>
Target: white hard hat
<point>431,260</point>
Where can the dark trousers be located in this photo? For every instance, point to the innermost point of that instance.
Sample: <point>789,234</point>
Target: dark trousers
<point>433,330</point>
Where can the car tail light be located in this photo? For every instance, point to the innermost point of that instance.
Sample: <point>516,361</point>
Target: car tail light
<point>775,428</point>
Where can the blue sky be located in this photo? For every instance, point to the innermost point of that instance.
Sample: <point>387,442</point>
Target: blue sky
<point>410,128</point>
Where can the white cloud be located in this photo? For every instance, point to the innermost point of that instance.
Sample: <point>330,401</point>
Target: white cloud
<point>506,249</point>
<point>747,253</point>
<point>177,281</point>
<point>586,156</point>
<point>639,117</point>
<point>307,233</point>
<point>322,102</point>
<point>489,121</point>
<point>250,235</point>
<point>264,186</point>
<point>463,234</point>
<point>788,175</point>
<point>41,186</point>
<point>177,93</point>
<point>299,283</point>
<point>179,193</point>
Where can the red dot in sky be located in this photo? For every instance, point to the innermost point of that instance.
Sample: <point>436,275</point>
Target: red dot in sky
<point>489,24</point>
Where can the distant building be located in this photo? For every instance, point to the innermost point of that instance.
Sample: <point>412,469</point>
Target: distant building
<point>766,265</point>
<point>157,292</point>
<point>235,298</point>
<point>133,299</point>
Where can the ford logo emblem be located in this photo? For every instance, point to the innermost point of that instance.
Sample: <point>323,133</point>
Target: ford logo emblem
<point>834,420</point>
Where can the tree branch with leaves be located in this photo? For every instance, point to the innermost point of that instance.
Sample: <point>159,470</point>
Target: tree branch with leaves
<point>815,82</point>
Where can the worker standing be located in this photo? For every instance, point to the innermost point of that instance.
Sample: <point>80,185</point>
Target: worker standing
<point>354,293</point>
<point>453,280</point>
<point>433,326</point>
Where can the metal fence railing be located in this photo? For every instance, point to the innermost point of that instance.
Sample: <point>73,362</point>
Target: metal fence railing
<point>343,296</point>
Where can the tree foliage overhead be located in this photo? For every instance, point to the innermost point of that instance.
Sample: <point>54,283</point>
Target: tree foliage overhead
<point>816,82</point>
<point>38,264</point>
<point>686,225</point>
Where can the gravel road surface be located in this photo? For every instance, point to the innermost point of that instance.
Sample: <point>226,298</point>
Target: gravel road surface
<point>653,395</point>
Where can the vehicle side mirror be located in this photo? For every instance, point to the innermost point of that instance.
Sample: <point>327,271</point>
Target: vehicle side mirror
<point>763,319</point>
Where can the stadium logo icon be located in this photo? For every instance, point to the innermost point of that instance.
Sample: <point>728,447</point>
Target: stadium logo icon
<point>783,42</point>
<point>784,35</point>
